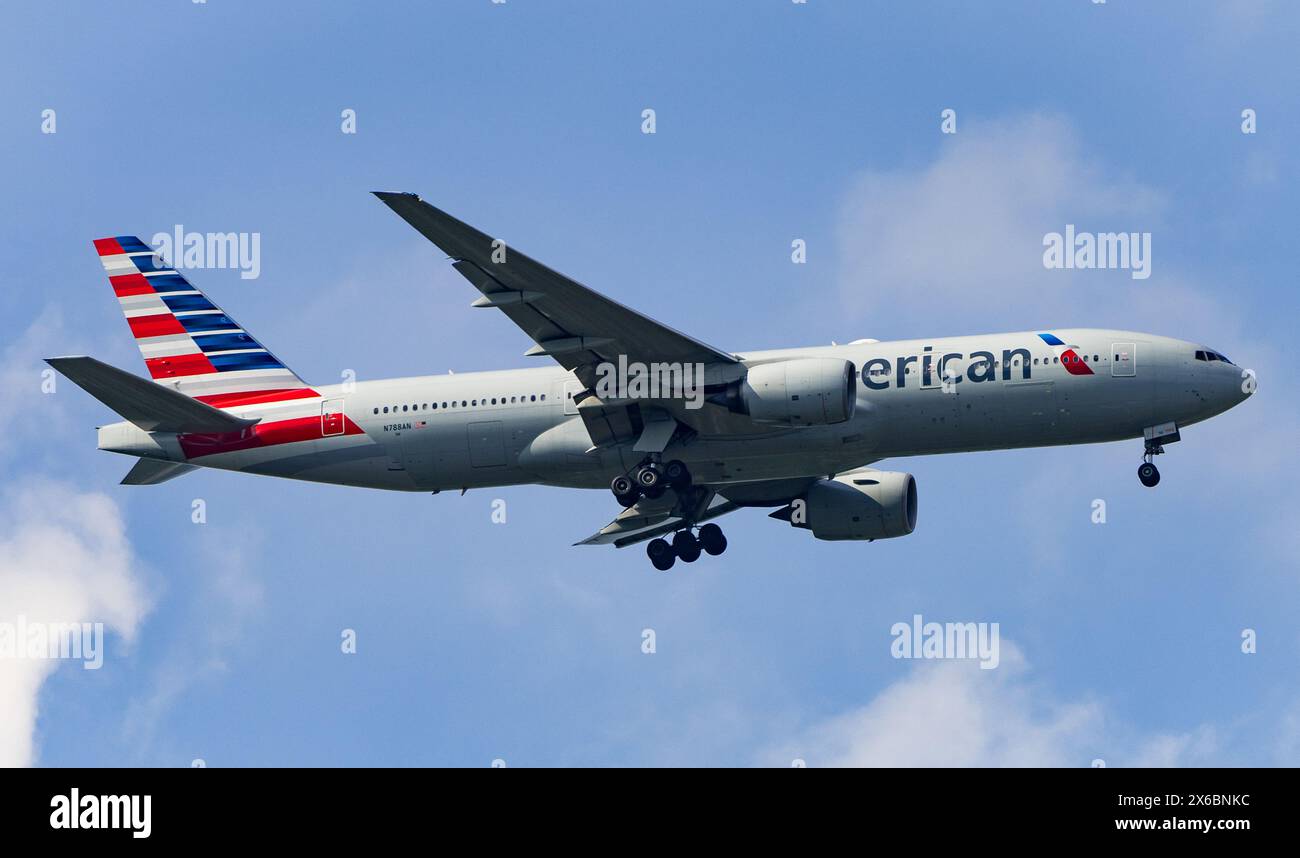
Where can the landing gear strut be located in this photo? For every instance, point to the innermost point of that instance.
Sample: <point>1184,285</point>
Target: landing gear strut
<point>1148,473</point>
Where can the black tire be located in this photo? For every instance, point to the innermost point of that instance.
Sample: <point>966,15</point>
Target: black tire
<point>712,540</point>
<point>677,474</point>
<point>661,554</point>
<point>628,499</point>
<point>686,546</point>
<point>622,485</point>
<point>648,477</point>
<point>1148,474</point>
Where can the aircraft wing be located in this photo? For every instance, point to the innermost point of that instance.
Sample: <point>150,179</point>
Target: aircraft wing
<point>567,321</point>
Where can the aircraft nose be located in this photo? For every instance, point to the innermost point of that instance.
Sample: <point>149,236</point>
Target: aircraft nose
<point>1231,385</point>
<point>1244,385</point>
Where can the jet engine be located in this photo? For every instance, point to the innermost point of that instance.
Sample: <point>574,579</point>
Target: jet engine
<point>797,392</point>
<point>858,505</point>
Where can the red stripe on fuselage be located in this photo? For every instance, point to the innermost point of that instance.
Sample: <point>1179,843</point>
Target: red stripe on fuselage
<point>179,365</point>
<point>157,325</point>
<point>256,397</point>
<point>125,285</point>
<point>1074,364</point>
<point>108,247</point>
<point>261,435</point>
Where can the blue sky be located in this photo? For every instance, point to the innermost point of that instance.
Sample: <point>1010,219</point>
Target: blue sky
<point>480,641</point>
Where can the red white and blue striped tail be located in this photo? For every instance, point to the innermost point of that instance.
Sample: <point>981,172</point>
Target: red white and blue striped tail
<point>189,343</point>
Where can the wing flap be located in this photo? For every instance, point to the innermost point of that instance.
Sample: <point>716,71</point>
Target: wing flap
<point>636,524</point>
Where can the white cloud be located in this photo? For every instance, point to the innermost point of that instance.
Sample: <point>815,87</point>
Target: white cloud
<point>961,238</point>
<point>952,713</point>
<point>228,595</point>
<point>64,558</point>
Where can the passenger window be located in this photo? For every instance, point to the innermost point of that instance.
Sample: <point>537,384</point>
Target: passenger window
<point>376,410</point>
<point>534,397</point>
<point>385,409</point>
<point>543,397</point>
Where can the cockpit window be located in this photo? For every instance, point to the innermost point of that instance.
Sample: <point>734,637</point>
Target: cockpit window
<point>1212,356</point>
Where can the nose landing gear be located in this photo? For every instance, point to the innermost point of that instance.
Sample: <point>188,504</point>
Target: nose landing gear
<point>1148,473</point>
<point>1154,439</point>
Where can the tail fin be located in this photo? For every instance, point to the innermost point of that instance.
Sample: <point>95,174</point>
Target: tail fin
<point>188,343</point>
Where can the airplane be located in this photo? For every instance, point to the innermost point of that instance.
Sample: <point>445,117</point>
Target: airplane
<point>792,430</point>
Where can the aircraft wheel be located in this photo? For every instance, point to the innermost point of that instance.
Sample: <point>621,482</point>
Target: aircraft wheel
<point>625,491</point>
<point>1148,474</point>
<point>686,546</point>
<point>649,477</point>
<point>712,540</point>
<point>677,474</point>
<point>661,554</point>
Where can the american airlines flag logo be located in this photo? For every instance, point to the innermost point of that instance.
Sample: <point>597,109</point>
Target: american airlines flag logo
<point>1073,364</point>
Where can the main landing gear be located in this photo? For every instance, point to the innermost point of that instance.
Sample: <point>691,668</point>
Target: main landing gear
<point>650,479</point>
<point>686,546</point>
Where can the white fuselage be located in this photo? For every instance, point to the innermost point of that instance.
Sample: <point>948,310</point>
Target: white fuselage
<point>461,431</point>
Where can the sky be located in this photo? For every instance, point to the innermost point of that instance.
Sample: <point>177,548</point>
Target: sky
<point>481,642</point>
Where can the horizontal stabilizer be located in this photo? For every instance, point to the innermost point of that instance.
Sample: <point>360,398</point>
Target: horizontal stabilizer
<point>151,472</point>
<point>147,404</point>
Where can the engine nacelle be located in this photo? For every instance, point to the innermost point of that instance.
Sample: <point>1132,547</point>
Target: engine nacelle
<point>860,505</point>
<point>798,392</point>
